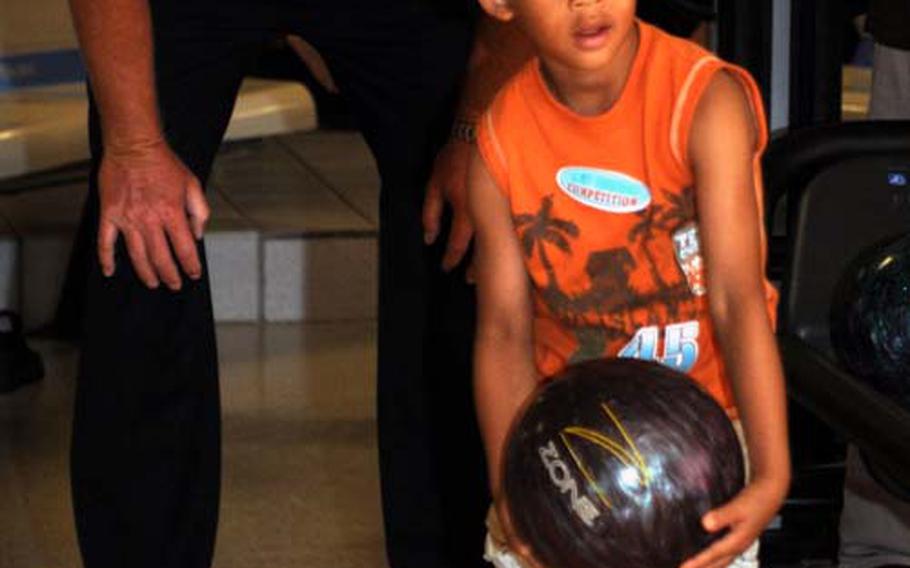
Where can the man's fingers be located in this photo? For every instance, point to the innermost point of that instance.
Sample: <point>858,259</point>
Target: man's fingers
<point>197,208</point>
<point>433,204</point>
<point>135,245</point>
<point>160,254</point>
<point>107,240</point>
<point>178,232</point>
<point>459,239</point>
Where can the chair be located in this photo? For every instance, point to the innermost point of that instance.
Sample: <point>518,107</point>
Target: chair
<point>846,187</point>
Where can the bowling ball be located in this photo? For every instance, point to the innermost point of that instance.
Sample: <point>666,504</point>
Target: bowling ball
<point>870,318</point>
<point>613,463</point>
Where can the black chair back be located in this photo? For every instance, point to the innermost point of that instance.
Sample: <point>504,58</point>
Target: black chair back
<point>847,187</point>
<point>844,210</point>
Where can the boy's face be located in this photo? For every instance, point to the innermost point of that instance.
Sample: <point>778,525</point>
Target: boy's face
<point>579,34</point>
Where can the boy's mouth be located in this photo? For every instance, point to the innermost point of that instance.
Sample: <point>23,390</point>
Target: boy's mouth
<point>591,36</point>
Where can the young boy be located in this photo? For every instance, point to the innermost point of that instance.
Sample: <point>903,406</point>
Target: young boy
<point>617,201</point>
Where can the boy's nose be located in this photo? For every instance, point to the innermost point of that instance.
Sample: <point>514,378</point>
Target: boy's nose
<point>582,4</point>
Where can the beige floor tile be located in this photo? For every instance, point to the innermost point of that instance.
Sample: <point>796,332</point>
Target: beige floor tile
<point>278,194</point>
<point>344,162</point>
<point>320,279</point>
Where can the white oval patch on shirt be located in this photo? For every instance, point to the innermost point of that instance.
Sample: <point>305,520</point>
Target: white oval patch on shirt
<point>604,190</point>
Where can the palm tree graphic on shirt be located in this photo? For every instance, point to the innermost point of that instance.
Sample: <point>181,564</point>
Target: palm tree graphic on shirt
<point>658,219</point>
<point>539,229</point>
<point>610,293</point>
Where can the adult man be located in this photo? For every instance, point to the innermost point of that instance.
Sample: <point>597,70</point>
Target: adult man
<point>164,75</point>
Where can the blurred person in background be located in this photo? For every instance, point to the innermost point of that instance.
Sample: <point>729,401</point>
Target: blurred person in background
<point>888,21</point>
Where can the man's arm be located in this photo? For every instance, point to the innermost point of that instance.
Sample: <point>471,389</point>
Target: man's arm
<point>147,195</point>
<point>499,51</point>
<point>116,39</point>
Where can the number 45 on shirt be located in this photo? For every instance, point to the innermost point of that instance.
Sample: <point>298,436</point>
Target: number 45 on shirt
<point>680,345</point>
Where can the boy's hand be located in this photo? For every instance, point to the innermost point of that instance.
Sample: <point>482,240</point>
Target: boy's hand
<point>746,516</point>
<point>499,523</point>
<point>448,183</point>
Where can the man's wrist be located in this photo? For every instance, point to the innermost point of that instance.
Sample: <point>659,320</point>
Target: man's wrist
<point>125,145</point>
<point>464,130</point>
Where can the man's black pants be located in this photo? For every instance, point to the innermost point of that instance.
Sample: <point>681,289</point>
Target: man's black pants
<point>146,441</point>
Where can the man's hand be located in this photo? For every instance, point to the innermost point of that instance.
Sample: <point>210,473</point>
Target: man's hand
<point>746,516</point>
<point>150,198</point>
<point>448,184</point>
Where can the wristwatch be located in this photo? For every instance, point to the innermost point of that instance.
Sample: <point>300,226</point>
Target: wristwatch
<point>464,131</point>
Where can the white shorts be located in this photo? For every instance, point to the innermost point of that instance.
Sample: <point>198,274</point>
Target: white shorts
<point>500,557</point>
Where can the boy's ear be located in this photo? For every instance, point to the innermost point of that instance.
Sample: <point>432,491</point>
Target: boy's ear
<point>498,9</point>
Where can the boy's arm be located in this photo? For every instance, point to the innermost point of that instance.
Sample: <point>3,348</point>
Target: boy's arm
<point>499,51</point>
<point>504,373</point>
<point>722,150</point>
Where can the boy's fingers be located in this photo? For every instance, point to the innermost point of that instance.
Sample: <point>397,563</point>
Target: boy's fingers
<point>523,551</point>
<point>722,517</point>
<point>723,562</point>
<point>707,558</point>
<point>723,550</point>
<point>432,210</point>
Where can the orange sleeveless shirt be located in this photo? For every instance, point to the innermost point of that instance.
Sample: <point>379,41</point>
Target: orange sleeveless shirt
<point>604,209</point>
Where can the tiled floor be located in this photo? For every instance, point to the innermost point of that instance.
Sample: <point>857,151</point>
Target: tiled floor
<point>308,183</point>
<point>280,193</point>
<point>300,469</point>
